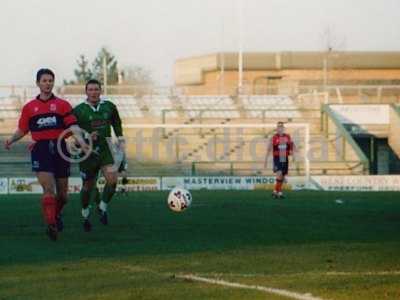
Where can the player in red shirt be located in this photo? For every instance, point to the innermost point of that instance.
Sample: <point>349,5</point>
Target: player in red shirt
<point>281,146</point>
<point>47,117</point>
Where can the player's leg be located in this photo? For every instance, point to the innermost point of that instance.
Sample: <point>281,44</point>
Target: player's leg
<point>62,170</point>
<point>62,198</point>
<point>88,170</point>
<point>111,176</point>
<point>278,184</point>
<point>95,195</point>
<point>280,179</point>
<point>278,176</point>
<point>124,182</point>
<point>122,173</point>
<point>49,202</point>
<point>42,156</point>
<point>284,172</point>
<point>85,195</point>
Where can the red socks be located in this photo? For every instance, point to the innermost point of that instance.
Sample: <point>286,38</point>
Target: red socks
<point>278,185</point>
<point>49,208</point>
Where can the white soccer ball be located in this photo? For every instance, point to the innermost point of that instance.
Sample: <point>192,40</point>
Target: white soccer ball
<point>179,199</point>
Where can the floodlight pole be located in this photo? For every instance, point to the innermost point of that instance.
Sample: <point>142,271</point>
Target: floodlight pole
<point>105,74</point>
<point>240,58</point>
<point>325,72</point>
<point>222,61</point>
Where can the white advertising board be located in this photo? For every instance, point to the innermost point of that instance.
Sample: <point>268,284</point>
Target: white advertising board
<point>30,185</point>
<point>362,114</point>
<point>357,183</point>
<point>3,186</point>
<point>229,183</point>
<point>136,184</point>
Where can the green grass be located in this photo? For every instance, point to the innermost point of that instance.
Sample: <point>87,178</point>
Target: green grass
<point>298,244</point>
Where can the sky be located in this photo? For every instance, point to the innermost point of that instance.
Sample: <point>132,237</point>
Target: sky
<point>154,33</point>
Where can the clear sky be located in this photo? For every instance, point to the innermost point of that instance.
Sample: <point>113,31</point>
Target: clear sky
<point>154,33</point>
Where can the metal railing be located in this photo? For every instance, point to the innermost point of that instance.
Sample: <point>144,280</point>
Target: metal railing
<point>370,93</point>
<point>263,112</point>
<point>327,114</point>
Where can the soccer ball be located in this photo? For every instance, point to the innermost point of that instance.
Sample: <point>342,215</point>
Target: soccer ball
<point>179,199</point>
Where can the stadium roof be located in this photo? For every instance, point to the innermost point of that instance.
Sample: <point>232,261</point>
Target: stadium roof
<point>190,70</point>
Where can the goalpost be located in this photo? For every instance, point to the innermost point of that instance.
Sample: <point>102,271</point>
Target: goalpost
<point>239,137</point>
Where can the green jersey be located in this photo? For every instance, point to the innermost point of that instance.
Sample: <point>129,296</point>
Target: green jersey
<point>99,119</point>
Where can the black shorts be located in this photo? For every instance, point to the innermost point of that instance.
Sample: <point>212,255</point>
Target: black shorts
<point>281,165</point>
<point>45,157</point>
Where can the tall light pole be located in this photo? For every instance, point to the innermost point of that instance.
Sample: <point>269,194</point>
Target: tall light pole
<point>105,74</point>
<point>240,52</point>
<point>325,71</point>
<point>222,60</point>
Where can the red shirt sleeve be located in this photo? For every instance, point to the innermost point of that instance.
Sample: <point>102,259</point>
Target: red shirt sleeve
<point>68,117</point>
<point>23,123</point>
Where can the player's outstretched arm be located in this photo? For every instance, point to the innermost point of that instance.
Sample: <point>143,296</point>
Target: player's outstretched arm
<point>18,134</point>
<point>22,130</point>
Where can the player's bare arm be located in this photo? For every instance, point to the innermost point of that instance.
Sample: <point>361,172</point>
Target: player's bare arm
<point>18,134</point>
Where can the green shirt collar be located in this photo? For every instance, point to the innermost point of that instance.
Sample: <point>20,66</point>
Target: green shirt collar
<point>95,109</point>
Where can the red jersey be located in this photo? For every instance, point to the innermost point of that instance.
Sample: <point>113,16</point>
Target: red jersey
<point>46,119</point>
<point>282,145</point>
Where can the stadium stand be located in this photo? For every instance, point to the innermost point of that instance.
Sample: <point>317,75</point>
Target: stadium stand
<point>209,106</point>
<point>333,150</point>
<point>156,104</point>
<point>128,105</point>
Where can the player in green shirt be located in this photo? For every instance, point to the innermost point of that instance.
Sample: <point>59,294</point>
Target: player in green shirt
<point>97,116</point>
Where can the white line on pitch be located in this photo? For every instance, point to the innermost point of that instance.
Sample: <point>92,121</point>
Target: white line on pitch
<point>280,292</point>
<point>379,273</point>
<point>332,273</point>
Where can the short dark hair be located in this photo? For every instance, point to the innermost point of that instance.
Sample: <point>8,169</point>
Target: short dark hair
<point>92,81</point>
<point>280,123</point>
<point>42,72</point>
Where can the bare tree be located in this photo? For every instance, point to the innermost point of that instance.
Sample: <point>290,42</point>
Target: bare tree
<point>332,44</point>
<point>137,75</point>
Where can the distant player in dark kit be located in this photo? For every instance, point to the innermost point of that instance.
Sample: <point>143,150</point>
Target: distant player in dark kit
<point>47,117</point>
<point>97,116</point>
<point>122,171</point>
<point>281,146</point>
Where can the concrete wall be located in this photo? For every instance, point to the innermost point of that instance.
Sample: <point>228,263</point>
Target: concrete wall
<point>203,75</point>
<point>394,130</point>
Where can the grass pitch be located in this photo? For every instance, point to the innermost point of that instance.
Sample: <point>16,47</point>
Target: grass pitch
<point>308,243</point>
